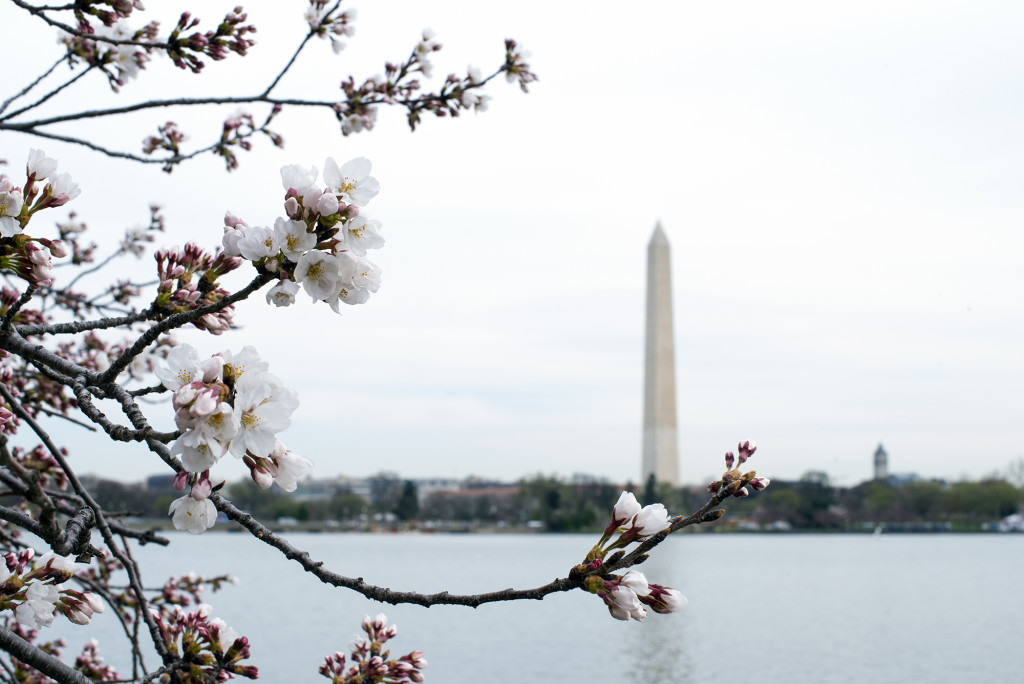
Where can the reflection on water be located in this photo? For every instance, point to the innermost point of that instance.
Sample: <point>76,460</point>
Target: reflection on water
<point>660,646</point>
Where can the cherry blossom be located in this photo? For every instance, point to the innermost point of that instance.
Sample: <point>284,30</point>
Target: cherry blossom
<point>283,294</point>
<point>352,181</point>
<point>362,234</point>
<point>651,520</point>
<point>39,607</point>
<point>11,202</point>
<point>193,515</point>
<point>182,367</point>
<point>294,237</point>
<point>297,177</point>
<point>290,467</point>
<point>262,414</point>
<point>259,242</point>
<point>198,452</point>
<point>625,508</point>
<point>39,165</point>
<point>319,273</point>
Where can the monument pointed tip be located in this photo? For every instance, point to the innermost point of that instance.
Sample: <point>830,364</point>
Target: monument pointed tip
<point>659,234</point>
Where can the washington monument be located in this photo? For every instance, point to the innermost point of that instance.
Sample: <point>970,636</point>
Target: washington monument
<point>661,444</point>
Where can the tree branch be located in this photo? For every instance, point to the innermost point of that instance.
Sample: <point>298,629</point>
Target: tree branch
<point>44,662</point>
<point>30,86</point>
<point>383,594</point>
<point>82,326</point>
<point>175,321</point>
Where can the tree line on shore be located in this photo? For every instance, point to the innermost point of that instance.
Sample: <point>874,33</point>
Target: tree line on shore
<point>581,503</point>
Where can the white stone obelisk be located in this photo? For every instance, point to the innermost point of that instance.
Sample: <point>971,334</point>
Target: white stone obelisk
<point>661,441</point>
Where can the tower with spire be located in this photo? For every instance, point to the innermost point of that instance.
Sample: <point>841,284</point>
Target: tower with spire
<point>881,463</point>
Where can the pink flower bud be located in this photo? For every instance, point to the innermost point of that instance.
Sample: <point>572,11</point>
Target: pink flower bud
<point>57,248</point>
<point>292,209</point>
<point>201,489</point>
<point>664,600</point>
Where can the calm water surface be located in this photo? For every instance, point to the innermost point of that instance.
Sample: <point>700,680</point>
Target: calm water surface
<point>789,608</point>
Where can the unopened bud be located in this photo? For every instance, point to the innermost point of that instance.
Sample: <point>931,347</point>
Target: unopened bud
<point>711,516</point>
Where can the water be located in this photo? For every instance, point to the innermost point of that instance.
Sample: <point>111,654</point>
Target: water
<point>789,608</point>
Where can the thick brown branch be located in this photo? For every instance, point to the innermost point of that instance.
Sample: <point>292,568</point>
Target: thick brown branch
<point>44,662</point>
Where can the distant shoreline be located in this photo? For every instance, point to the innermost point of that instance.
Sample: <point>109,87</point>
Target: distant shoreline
<point>387,529</point>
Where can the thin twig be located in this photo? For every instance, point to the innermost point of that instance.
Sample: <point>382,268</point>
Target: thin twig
<point>13,311</point>
<point>175,321</point>
<point>30,86</point>
<point>50,94</point>
<point>55,414</point>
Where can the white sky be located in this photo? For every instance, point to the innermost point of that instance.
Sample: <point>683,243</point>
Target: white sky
<point>840,184</point>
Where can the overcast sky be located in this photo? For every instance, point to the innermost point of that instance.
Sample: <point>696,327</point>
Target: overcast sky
<point>841,185</point>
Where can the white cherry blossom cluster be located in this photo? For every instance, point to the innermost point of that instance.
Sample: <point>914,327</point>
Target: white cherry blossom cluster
<point>228,403</point>
<point>30,257</point>
<point>17,205</point>
<point>630,595</point>
<point>321,243</point>
<point>635,523</point>
<point>121,62</point>
<point>35,589</point>
<point>333,24</point>
<point>423,50</point>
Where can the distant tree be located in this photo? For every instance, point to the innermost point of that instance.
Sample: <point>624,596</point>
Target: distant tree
<point>347,506</point>
<point>924,499</point>
<point>650,494</point>
<point>879,497</point>
<point>985,500</point>
<point>781,503</point>
<point>1015,473</point>
<point>408,504</point>
<point>817,497</point>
